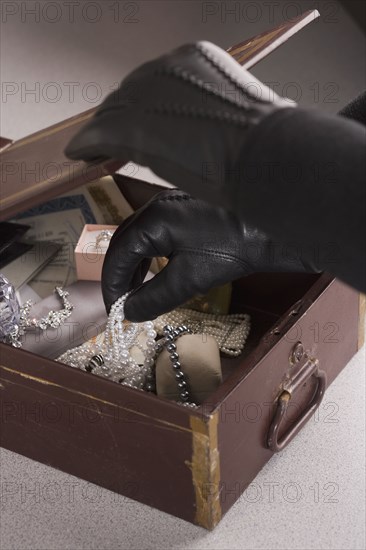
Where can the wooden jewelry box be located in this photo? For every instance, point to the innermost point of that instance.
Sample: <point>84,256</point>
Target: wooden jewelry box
<point>192,463</point>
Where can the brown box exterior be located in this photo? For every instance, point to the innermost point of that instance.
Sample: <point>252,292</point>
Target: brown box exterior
<point>328,330</point>
<point>193,464</point>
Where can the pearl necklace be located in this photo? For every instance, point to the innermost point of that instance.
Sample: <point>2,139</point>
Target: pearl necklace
<point>110,356</point>
<point>230,331</point>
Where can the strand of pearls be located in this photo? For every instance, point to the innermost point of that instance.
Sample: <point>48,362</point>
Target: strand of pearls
<point>110,356</point>
<point>171,335</point>
<point>229,331</point>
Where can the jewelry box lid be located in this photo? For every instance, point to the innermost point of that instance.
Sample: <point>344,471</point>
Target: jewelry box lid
<point>35,169</point>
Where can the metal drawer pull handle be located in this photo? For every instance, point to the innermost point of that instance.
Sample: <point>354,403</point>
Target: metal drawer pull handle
<point>311,368</point>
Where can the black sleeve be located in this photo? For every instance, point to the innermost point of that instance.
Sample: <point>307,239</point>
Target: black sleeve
<point>304,179</point>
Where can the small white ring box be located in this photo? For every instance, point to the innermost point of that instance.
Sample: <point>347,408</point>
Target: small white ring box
<point>90,254</point>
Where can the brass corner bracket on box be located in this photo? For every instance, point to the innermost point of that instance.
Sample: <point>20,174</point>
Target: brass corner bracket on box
<point>205,468</point>
<point>361,326</point>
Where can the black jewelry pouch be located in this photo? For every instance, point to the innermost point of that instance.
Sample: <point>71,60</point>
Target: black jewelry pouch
<point>10,248</point>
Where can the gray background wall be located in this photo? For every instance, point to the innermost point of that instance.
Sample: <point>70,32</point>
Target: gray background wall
<point>48,50</point>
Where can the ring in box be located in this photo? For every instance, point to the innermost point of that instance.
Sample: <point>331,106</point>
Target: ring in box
<point>90,251</point>
<point>192,463</point>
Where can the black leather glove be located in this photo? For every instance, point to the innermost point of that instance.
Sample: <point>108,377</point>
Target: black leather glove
<point>186,115</point>
<point>206,247</point>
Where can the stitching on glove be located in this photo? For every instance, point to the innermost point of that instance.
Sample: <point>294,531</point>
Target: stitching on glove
<point>174,198</point>
<point>198,112</point>
<point>211,60</point>
<point>186,76</point>
<point>215,254</point>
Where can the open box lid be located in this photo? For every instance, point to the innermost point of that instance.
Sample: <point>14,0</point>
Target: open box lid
<point>34,169</point>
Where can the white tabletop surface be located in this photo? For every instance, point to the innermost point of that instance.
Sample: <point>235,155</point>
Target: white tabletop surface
<point>309,496</point>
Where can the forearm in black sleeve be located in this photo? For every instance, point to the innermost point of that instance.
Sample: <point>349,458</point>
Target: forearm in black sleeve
<point>303,181</point>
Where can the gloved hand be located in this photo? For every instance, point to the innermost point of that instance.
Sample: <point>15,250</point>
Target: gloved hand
<point>206,247</point>
<point>187,115</point>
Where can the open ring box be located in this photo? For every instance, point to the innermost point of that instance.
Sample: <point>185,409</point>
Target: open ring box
<point>90,252</point>
<point>192,463</point>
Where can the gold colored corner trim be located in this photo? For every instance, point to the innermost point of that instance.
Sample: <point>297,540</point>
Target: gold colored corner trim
<point>361,323</point>
<point>205,468</point>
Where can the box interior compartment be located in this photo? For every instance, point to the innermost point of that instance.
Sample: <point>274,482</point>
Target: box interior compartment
<point>266,297</point>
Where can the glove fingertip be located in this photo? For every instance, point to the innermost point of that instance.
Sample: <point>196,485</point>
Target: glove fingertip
<point>132,313</point>
<point>136,308</point>
<point>108,298</point>
<point>108,306</point>
<point>86,144</point>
